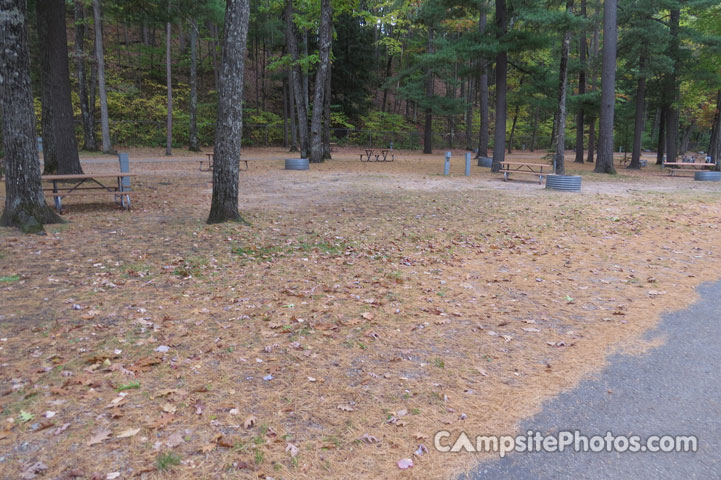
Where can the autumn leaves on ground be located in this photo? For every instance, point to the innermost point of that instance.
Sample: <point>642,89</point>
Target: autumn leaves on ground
<point>366,307</point>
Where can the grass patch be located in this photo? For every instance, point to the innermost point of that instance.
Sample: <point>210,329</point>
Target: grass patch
<point>128,386</point>
<point>9,278</point>
<point>166,461</point>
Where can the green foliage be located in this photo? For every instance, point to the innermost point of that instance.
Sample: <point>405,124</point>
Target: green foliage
<point>166,461</point>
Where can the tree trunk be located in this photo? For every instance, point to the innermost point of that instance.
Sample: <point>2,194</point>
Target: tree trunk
<point>306,86</point>
<point>326,112</point>
<point>671,90</point>
<point>686,138</point>
<point>56,78</point>
<point>533,129</point>
<point>714,148</point>
<point>169,87</point>
<point>285,114</point>
<point>513,128</point>
<point>214,50</point>
<point>591,139</point>
<point>604,163</point>
<point>90,141</point>
<point>428,124</point>
<point>559,160</point>
<point>194,147</point>
<point>470,96</point>
<point>639,120</point>
<point>25,205</point>
<point>499,135</point>
<point>581,88</point>
<point>100,60</point>
<point>661,145</point>
<point>324,39</point>
<point>229,124</point>
<point>389,65</point>
<point>483,92</point>
<point>291,114</point>
<point>296,79</point>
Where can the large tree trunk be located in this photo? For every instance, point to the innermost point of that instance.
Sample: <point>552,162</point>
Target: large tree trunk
<point>25,205</point>
<point>604,162</point>
<point>194,147</point>
<point>326,114</point>
<point>296,80</point>
<point>428,123</point>
<point>90,141</point>
<point>324,39</point>
<point>306,83</point>
<point>639,120</point>
<point>591,139</point>
<point>483,92</point>
<point>100,60</point>
<point>63,158</point>
<point>559,160</point>
<point>229,124</point>
<point>292,115</point>
<point>499,135</point>
<point>581,88</point>
<point>714,148</point>
<point>671,89</point>
<point>169,87</point>
<point>661,145</point>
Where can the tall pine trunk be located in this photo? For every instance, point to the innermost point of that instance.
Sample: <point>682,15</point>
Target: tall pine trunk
<point>229,123</point>
<point>100,61</point>
<point>581,88</point>
<point>591,139</point>
<point>324,40</point>
<point>661,144</point>
<point>296,80</point>
<point>291,113</point>
<point>671,88</point>
<point>639,115</point>
<point>90,141</point>
<point>483,91</point>
<point>604,162</point>
<point>194,147</point>
<point>428,123</point>
<point>499,135</point>
<point>326,114</point>
<point>62,157</point>
<point>714,148</point>
<point>169,87</point>
<point>559,160</point>
<point>25,205</point>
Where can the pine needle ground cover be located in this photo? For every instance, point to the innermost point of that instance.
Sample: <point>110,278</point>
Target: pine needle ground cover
<point>366,307</point>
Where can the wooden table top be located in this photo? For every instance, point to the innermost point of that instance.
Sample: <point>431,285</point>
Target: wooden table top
<point>86,176</point>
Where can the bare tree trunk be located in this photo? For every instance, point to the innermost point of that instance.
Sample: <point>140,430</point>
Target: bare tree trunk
<point>100,60</point>
<point>604,163</point>
<point>291,114</point>
<point>90,141</point>
<point>534,128</point>
<point>229,124</point>
<point>194,147</point>
<point>306,87</point>
<point>296,80</point>
<point>639,120</point>
<point>483,136</point>
<point>469,114</point>
<point>326,111</point>
<point>428,125</point>
<point>671,88</point>
<point>25,205</point>
<point>661,145</point>
<point>169,86</point>
<point>56,78</point>
<point>499,135</point>
<point>591,139</point>
<point>285,114</point>
<point>714,148</point>
<point>559,161</point>
<point>581,88</point>
<point>324,47</point>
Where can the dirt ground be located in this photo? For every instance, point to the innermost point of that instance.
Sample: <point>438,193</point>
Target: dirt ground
<point>366,307</point>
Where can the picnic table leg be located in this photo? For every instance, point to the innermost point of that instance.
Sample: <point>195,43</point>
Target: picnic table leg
<point>505,176</point>
<point>58,201</point>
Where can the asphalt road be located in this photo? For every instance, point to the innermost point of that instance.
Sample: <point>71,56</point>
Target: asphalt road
<point>674,389</point>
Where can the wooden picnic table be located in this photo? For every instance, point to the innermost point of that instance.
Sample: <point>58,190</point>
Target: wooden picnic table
<point>89,184</point>
<point>371,154</point>
<point>524,168</point>
<point>681,166</point>
<point>211,157</point>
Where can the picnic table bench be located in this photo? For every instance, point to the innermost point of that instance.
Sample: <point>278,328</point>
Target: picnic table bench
<point>370,154</point>
<point>89,184</point>
<point>524,168</point>
<point>686,166</point>
<point>210,162</point>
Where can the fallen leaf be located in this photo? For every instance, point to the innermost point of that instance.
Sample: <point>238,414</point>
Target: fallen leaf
<point>174,440</point>
<point>112,476</point>
<point>170,408</point>
<point>405,463</point>
<point>250,421</point>
<point>33,470</point>
<point>292,449</point>
<point>99,437</point>
<point>369,438</point>
<point>531,330</point>
<point>128,433</point>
